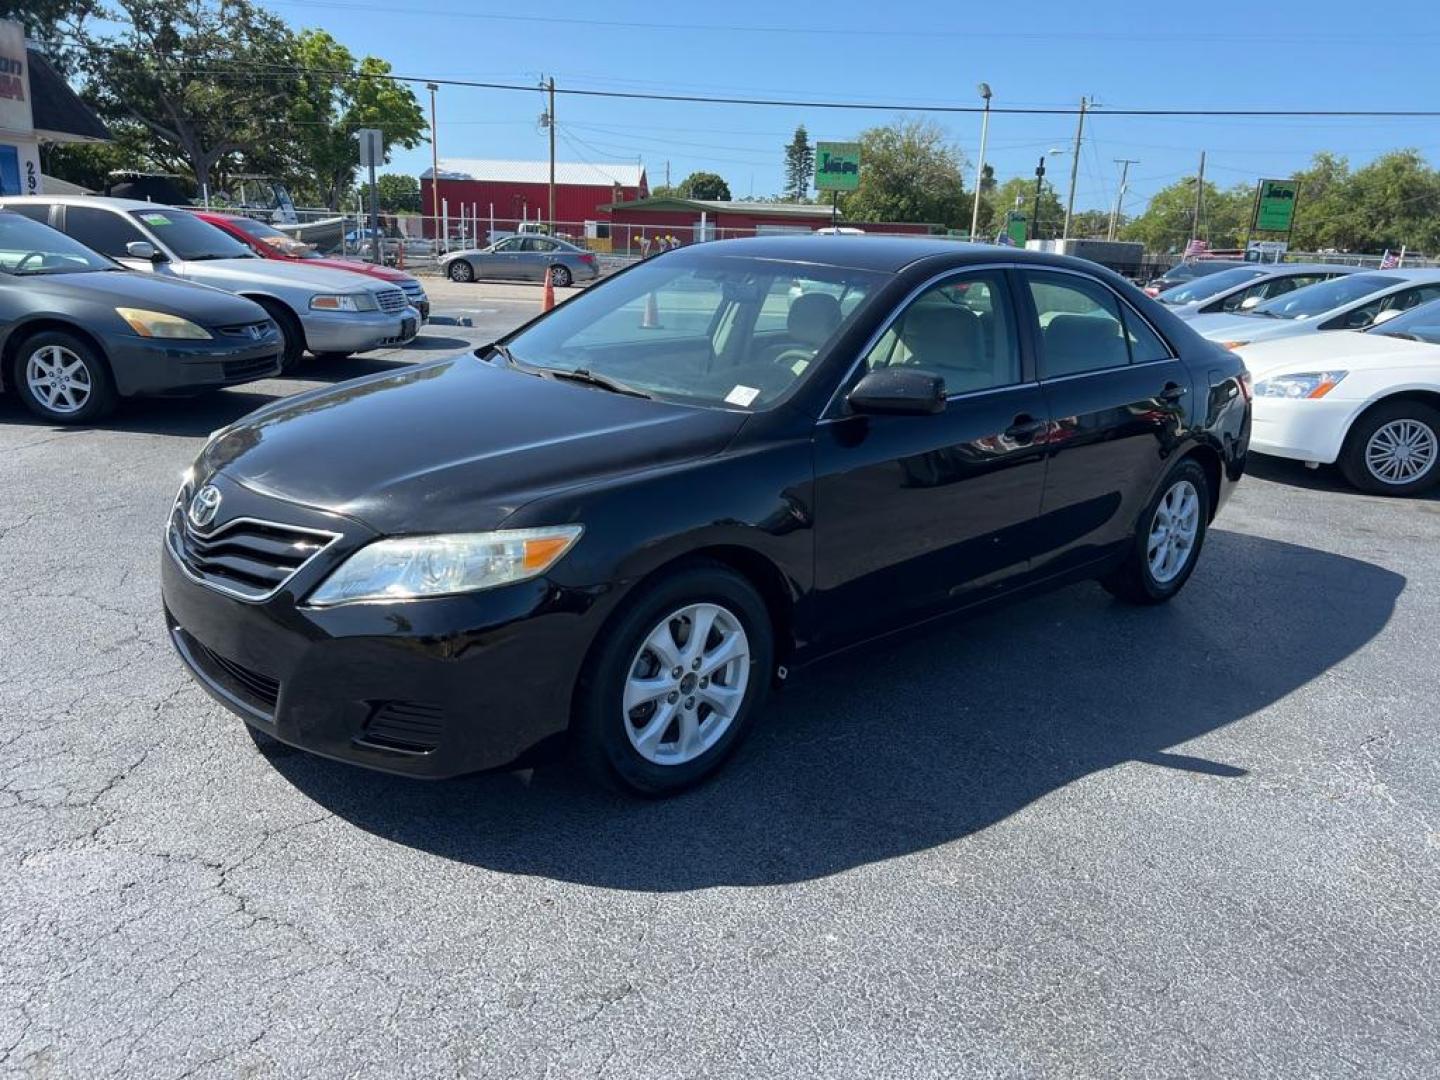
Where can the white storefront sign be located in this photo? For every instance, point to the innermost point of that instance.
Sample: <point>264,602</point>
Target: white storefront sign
<point>19,151</point>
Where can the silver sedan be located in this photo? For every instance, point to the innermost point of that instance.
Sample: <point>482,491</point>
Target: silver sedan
<point>523,258</point>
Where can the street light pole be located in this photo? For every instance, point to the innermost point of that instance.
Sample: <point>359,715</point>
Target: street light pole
<point>1124,164</point>
<point>1074,169</point>
<point>434,165</point>
<point>980,168</point>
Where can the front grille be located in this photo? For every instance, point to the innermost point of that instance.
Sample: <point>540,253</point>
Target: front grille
<point>240,370</point>
<point>245,558</point>
<point>411,726</point>
<point>392,301</point>
<point>256,331</point>
<point>414,290</point>
<point>250,686</point>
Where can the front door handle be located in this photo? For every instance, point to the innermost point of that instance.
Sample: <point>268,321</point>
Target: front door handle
<point>1172,393</point>
<point>1024,428</point>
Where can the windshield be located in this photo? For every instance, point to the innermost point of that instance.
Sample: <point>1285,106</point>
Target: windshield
<point>189,237</point>
<point>1418,324</point>
<point>28,248</point>
<point>264,233</point>
<point>725,332</point>
<point>1203,288</point>
<point>1326,296</point>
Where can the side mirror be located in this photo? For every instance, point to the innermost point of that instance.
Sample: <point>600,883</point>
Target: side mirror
<point>143,249</point>
<point>898,392</point>
<point>1251,302</point>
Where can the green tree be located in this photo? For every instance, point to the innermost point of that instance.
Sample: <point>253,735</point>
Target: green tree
<point>398,193</point>
<point>799,166</point>
<point>56,24</point>
<point>1396,200</point>
<point>164,73</point>
<point>703,185</point>
<point>1169,218</point>
<point>908,172</point>
<point>1018,193</point>
<point>332,104</point>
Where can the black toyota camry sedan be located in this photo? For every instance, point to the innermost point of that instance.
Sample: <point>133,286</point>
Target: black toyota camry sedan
<point>621,525</point>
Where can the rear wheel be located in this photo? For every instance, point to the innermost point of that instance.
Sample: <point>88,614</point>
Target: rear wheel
<point>676,683</point>
<point>1394,449</point>
<point>62,378</point>
<point>1168,540</point>
<point>460,270</point>
<point>292,334</point>
<point>560,276</point>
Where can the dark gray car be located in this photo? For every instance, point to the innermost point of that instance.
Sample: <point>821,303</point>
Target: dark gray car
<point>78,330</point>
<point>523,258</point>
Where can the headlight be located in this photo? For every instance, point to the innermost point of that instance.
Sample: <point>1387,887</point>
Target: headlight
<point>344,302</point>
<point>1315,384</point>
<point>405,568</point>
<point>156,324</point>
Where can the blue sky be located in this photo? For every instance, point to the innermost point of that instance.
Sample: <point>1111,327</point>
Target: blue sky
<point>1320,54</point>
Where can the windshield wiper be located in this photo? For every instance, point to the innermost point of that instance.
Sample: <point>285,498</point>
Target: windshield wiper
<point>590,378</point>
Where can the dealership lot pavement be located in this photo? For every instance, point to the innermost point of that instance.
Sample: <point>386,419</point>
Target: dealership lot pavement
<point>1066,838</point>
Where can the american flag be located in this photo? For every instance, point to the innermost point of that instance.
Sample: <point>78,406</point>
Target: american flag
<point>1195,248</point>
<point>1389,261</point>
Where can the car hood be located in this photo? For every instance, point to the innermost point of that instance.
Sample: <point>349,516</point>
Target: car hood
<point>381,273</point>
<point>1247,328</point>
<point>198,303</point>
<point>454,445</point>
<point>231,273</point>
<point>1345,350</point>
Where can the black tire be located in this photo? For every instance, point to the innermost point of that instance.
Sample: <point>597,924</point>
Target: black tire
<point>1134,581</point>
<point>96,382</point>
<point>1353,458</point>
<point>460,270</point>
<point>560,276</point>
<point>292,334</point>
<point>598,732</point>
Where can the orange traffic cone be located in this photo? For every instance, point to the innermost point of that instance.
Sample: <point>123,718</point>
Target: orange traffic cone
<point>549,301</point>
<point>651,319</point>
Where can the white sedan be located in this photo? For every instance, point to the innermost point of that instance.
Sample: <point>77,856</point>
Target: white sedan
<point>1368,401</point>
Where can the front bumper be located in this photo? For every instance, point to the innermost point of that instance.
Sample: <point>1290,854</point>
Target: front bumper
<point>352,332</point>
<point>169,366</point>
<point>429,688</point>
<point>1302,429</point>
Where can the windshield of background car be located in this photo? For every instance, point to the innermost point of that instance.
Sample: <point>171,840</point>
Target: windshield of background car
<point>1418,324</point>
<point>281,241</point>
<point>724,332</point>
<point>189,237</point>
<point>1203,288</point>
<point>29,248</point>
<point>1326,296</point>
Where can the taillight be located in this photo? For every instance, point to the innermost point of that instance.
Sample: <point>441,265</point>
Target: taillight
<point>587,258</point>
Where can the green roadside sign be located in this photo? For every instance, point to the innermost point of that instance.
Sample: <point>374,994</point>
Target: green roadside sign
<point>837,166</point>
<point>1016,227</point>
<point>1275,205</point>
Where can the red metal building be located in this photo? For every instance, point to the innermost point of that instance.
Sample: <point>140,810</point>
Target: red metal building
<point>509,192</point>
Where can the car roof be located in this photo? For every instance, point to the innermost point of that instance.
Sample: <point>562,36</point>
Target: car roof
<point>1419,274</point>
<point>884,254</point>
<point>95,200</point>
<point>1309,268</point>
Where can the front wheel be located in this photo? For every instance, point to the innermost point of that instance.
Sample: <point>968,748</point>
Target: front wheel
<point>460,270</point>
<point>1394,449</point>
<point>63,379</point>
<point>560,276</point>
<point>1168,540</point>
<point>675,685</point>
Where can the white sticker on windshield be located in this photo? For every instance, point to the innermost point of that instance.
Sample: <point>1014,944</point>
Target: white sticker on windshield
<point>742,396</point>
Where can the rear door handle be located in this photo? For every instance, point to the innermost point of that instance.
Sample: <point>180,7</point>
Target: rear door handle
<point>1172,393</point>
<point>1025,427</point>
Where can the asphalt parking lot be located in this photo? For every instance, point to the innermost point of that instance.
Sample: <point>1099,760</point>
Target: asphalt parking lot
<point>1068,838</point>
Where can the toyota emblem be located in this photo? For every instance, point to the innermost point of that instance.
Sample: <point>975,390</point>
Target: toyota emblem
<point>204,506</point>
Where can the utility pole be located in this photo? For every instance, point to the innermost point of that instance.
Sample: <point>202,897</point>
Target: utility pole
<point>980,168</point>
<point>1074,169</point>
<point>1124,164</point>
<point>550,123</point>
<point>434,166</point>
<point>1039,187</point>
<point>1199,199</point>
<point>667,174</point>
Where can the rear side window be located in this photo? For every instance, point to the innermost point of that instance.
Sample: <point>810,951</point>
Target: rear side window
<point>100,230</point>
<point>1080,327</point>
<point>32,211</point>
<point>1145,344</point>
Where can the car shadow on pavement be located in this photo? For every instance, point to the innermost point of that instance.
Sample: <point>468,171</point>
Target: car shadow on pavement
<point>1326,478</point>
<point>913,743</point>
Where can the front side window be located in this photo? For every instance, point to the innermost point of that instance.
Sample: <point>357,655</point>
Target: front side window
<point>513,243</point>
<point>29,249</point>
<point>101,230</point>
<point>708,330</point>
<point>1365,315</point>
<point>1080,326</point>
<point>962,329</point>
<point>190,238</point>
<point>1421,323</point>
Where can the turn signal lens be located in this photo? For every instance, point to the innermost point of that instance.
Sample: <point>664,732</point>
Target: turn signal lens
<point>1234,344</point>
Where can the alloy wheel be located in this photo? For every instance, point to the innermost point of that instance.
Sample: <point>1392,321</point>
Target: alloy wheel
<point>58,379</point>
<point>1173,530</point>
<point>1401,451</point>
<point>686,684</point>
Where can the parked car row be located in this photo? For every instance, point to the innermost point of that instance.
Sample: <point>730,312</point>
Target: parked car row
<point>115,255</point>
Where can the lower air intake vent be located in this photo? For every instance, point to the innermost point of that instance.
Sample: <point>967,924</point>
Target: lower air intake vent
<point>411,726</point>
